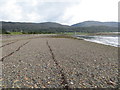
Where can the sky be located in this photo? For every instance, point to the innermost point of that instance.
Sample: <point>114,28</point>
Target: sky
<point>66,12</point>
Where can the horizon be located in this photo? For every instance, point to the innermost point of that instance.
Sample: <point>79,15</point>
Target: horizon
<point>59,23</point>
<point>66,12</point>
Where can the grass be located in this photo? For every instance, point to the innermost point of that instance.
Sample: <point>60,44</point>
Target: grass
<point>70,33</point>
<point>16,33</point>
<point>64,36</point>
<point>76,33</point>
<point>99,33</point>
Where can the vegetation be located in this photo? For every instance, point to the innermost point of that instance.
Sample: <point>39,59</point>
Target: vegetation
<point>48,28</point>
<point>15,33</point>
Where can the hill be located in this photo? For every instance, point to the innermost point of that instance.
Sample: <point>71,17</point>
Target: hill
<point>46,27</point>
<point>52,27</point>
<point>95,23</point>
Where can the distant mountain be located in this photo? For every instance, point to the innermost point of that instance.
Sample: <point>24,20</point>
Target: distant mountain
<point>52,27</point>
<point>46,27</point>
<point>41,25</point>
<point>96,23</point>
<point>52,24</point>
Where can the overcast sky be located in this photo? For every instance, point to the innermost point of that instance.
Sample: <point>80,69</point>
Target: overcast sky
<point>62,11</point>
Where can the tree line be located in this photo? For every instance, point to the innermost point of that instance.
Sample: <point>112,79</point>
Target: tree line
<point>34,28</point>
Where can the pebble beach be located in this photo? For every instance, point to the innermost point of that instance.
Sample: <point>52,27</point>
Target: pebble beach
<point>48,61</point>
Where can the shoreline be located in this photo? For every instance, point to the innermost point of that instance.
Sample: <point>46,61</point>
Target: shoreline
<point>18,37</point>
<point>105,40</point>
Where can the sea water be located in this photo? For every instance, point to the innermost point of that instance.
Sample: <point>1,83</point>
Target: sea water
<point>112,40</point>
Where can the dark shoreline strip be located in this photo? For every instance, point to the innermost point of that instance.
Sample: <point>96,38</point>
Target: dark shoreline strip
<point>63,78</point>
<point>14,51</point>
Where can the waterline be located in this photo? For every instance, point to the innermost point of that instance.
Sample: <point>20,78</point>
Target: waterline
<point>107,40</point>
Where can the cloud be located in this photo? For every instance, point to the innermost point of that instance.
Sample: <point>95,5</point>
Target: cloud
<point>100,10</point>
<point>33,11</point>
<point>62,11</point>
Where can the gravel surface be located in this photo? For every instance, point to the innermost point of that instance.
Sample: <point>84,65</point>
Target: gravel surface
<point>58,63</point>
<point>86,64</point>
